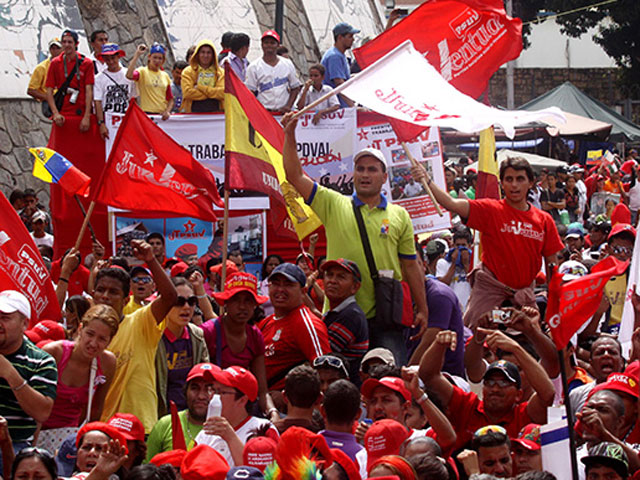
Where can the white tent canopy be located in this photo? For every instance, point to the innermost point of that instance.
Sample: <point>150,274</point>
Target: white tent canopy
<point>538,162</point>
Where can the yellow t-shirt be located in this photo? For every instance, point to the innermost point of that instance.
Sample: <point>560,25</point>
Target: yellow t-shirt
<point>131,306</point>
<point>39,76</point>
<point>153,88</point>
<point>134,384</point>
<point>615,290</point>
<point>207,76</point>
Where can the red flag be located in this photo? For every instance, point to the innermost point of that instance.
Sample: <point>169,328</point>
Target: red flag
<point>571,304</point>
<point>465,40</point>
<point>177,435</point>
<point>22,268</point>
<point>149,172</point>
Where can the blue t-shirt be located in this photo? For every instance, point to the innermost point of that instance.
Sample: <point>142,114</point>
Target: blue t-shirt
<point>179,362</point>
<point>336,66</point>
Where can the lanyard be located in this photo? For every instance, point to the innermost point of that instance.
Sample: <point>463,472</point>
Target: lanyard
<point>64,63</point>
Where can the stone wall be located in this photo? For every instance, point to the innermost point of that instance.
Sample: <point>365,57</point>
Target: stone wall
<point>21,126</point>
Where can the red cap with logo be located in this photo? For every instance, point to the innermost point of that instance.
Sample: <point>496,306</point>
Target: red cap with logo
<point>203,463</point>
<point>394,383</point>
<point>240,282</point>
<point>46,330</point>
<point>529,437</point>
<point>259,452</point>
<point>384,437</point>
<point>129,425</point>
<point>272,34</point>
<point>619,382</point>
<point>619,228</point>
<point>203,370</point>
<point>239,378</point>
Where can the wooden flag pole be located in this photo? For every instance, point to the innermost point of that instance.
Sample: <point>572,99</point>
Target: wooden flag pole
<point>225,238</point>
<point>85,223</point>
<point>424,183</point>
<point>93,234</point>
<point>570,419</point>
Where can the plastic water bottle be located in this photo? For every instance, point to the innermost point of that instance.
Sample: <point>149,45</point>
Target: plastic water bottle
<point>215,407</point>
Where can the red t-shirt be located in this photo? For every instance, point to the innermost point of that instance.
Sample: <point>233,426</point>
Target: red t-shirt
<point>513,241</point>
<point>466,414</point>
<point>78,282</point>
<point>85,76</point>
<point>298,337</point>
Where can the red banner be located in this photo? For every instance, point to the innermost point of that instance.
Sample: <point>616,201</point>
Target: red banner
<point>573,303</point>
<point>149,172</point>
<point>465,40</point>
<point>22,268</point>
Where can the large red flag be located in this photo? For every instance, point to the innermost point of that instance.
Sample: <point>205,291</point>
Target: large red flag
<point>149,172</point>
<point>571,304</point>
<point>465,40</point>
<point>22,268</point>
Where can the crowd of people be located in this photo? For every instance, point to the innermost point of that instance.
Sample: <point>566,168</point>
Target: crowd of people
<point>387,357</point>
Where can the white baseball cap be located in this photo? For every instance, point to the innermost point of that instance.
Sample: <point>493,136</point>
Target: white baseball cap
<point>14,301</point>
<point>371,152</point>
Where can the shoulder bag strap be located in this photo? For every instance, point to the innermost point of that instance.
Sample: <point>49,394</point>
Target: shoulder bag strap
<point>92,379</point>
<point>373,271</point>
<point>120,87</point>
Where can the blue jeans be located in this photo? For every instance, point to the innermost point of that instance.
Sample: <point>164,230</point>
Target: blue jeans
<point>390,338</point>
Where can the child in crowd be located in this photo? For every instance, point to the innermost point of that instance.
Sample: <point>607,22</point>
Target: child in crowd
<point>176,87</point>
<point>313,90</point>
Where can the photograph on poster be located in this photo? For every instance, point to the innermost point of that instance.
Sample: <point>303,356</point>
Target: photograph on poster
<point>430,149</point>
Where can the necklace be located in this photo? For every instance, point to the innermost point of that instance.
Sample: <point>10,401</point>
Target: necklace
<point>188,432</point>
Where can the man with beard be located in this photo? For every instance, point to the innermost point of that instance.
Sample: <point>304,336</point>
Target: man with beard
<point>198,392</point>
<point>605,358</point>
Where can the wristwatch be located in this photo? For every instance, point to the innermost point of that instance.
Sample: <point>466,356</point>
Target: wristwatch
<point>100,122</point>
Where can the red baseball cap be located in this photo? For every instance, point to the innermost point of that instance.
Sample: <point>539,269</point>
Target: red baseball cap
<point>619,228</point>
<point>348,265</point>
<point>178,268</point>
<point>240,282</point>
<point>231,268</point>
<point>203,463</point>
<point>111,432</point>
<point>633,369</point>
<point>239,378</point>
<point>172,457</point>
<point>272,34</point>
<point>46,330</point>
<point>259,452</point>
<point>529,437</point>
<point>129,425</point>
<point>619,382</point>
<point>202,370</point>
<point>384,437</point>
<point>394,383</point>
<point>346,463</point>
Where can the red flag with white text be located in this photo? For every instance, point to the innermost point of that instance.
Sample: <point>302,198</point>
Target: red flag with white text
<point>465,40</point>
<point>151,173</point>
<point>573,303</point>
<point>22,267</point>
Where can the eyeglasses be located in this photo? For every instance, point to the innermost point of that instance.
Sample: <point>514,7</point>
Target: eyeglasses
<point>192,301</point>
<point>619,249</point>
<point>217,391</point>
<point>142,280</point>
<point>482,431</point>
<point>331,361</point>
<point>501,382</point>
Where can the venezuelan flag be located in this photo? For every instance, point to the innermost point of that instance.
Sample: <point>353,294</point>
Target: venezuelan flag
<point>488,185</point>
<point>51,167</point>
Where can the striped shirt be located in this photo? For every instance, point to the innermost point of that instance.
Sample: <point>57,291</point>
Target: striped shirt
<point>39,369</point>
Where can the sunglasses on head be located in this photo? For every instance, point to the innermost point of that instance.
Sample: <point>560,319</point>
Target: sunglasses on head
<point>192,301</point>
<point>330,361</point>
<point>482,431</point>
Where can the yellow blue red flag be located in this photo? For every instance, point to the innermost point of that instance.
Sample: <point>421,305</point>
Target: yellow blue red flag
<point>51,167</point>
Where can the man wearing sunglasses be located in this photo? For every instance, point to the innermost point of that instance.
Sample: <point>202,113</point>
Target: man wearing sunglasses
<point>143,287</point>
<point>502,388</point>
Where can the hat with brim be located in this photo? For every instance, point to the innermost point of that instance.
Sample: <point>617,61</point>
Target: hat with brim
<point>344,264</point>
<point>508,369</point>
<point>608,454</point>
<point>240,282</point>
<point>108,50</point>
<point>392,383</point>
<point>529,438</point>
<point>371,152</point>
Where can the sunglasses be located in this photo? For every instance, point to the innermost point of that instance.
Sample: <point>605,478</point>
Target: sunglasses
<point>192,301</point>
<point>331,361</point>
<point>501,382</point>
<point>618,250</point>
<point>482,431</point>
<point>40,451</point>
<point>144,280</point>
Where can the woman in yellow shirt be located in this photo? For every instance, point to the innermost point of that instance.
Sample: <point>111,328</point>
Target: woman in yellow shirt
<point>154,84</point>
<point>203,81</point>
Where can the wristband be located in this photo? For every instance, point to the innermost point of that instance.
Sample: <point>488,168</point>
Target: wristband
<point>19,387</point>
<point>270,411</point>
<point>423,398</point>
<point>201,296</point>
<point>63,280</point>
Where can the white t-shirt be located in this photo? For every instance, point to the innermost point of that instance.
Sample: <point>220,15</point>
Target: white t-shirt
<point>459,283</point>
<point>272,83</point>
<point>313,95</point>
<point>412,190</point>
<point>243,431</point>
<point>114,90</point>
<point>46,240</point>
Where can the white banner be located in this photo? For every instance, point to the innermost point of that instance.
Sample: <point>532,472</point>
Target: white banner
<point>628,314</point>
<point>556,454</point>
<point>404,85</point>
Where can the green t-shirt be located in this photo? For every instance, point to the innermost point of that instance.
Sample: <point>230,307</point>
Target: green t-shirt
<point>389,229</point>
<point>161,440</point>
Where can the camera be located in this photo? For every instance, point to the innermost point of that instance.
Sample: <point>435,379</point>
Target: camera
<point>73,98</point>
<point>500,318</point>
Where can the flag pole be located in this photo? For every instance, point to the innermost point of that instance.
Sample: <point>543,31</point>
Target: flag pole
<point>225,238</point>
<point>85,223</point>
<point>570,419</point>
<point>424,183</point>
<point>93,234</point>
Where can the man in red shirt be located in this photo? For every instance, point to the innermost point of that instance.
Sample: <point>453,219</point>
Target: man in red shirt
<point>515,238</point>
<point>292,335</point>
<point>502,392</point>
<point>78,98</point>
